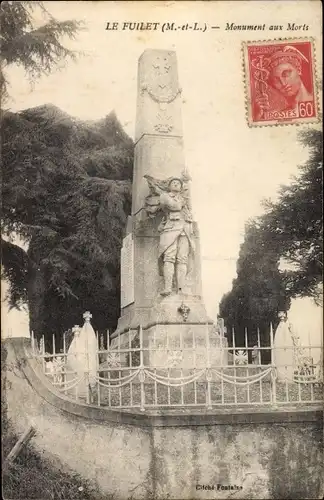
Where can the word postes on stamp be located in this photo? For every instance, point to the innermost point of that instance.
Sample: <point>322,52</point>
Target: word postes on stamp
<point>280,82</point>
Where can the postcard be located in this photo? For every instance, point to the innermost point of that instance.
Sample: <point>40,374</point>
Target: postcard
<point>162,249</point>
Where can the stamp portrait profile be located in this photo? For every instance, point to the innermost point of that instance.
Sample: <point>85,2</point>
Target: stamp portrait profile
<point>280,82</point>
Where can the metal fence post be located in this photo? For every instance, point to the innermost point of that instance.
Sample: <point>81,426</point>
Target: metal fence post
<point>141,368</point>
<point>87,372</point>
<point>273,371</point>
<point>208,371</point>
<point>42,351</point>
<point>64,379</point>
<point>234,365</point>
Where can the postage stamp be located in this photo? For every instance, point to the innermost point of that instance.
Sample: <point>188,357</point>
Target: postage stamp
<point>280,82</point>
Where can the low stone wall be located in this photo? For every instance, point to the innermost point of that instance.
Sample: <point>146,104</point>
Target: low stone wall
<point>210,454</point>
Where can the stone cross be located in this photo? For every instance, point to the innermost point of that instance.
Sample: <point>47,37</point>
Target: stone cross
<point>87,316</point>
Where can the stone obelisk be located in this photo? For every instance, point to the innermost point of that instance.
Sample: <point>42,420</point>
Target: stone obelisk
<point>159,153</point>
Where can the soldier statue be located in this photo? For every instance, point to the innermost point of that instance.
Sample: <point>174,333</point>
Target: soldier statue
<point>176,248</point>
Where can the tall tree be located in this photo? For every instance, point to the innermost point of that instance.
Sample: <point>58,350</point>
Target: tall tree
<point>66,187</point>
<point>295,223</point>
<point>258,292</point>
<point>38,50</point>
<point>291,228</point>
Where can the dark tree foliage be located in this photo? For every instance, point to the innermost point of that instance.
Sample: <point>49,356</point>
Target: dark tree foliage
<point>66,186</point>
<point>291,228</point>
<point>295,221</point>
<point>258,292</point>
<point>67,190</point>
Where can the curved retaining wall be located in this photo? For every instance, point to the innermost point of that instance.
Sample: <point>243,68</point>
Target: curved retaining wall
<point>262,454</point>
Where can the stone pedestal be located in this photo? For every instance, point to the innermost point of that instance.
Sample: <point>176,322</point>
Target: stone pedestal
<point>176,334</point>
<point>174,346</point>
<point>182,346</point>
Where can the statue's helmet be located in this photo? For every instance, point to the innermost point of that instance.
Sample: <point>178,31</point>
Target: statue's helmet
<point>175,179</point>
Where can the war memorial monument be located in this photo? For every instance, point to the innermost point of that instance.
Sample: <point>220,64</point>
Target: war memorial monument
<point>161,288</point>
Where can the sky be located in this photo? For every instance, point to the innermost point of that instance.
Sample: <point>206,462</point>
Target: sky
<point>233,167</point>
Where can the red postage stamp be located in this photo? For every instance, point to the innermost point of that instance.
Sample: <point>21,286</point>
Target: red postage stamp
<point>280,82</point>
